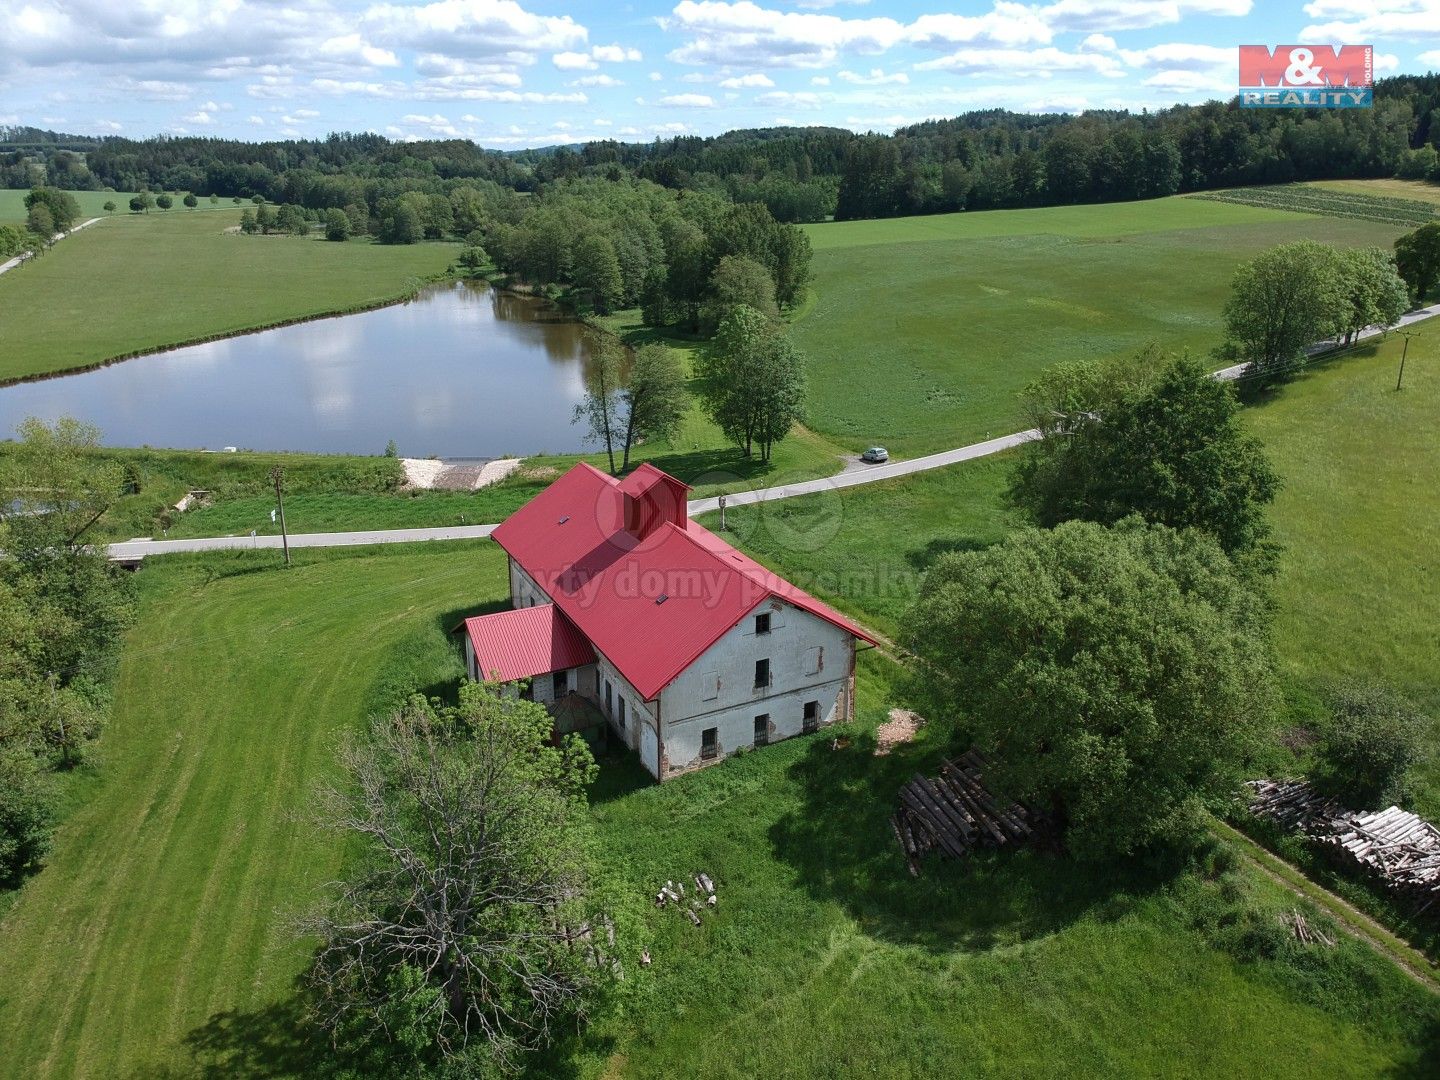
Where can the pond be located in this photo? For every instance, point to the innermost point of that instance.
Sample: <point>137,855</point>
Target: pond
<point>462,371</point>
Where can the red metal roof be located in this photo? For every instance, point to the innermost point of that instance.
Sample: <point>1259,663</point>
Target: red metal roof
<point>571,539</point>
<point>526,642</point>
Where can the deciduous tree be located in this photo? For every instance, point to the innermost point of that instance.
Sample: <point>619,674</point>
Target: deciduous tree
<point>599,409</point>
<point>1375,294</point>
<point>451,939</point>
<point>596,270</point>
<point>754,381</point>
<point>1116,675</point>
<point>738,280</point>
<point>64,210</point>
<point>337,225</point>
<point>1417,256</point>
<point>654,399</point>
<point>1120,438</point>
<point>1281,303</point>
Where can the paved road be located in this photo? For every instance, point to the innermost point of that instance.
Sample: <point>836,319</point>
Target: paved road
<point>138,549</point>
<point>866,474</point>
<point>13,263</point>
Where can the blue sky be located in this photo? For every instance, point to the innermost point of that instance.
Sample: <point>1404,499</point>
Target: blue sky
<point>514,73</point>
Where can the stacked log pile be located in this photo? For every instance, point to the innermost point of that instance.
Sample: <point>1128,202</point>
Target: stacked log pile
<point>1401,849</point>
<point>955,813</point>
<point>1293,803</point>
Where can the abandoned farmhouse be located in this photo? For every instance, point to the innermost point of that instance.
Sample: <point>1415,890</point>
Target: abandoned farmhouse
<point>690,649</point>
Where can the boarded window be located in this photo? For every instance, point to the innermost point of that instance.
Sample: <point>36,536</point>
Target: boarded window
<point>762,729</point>
<point>709,743</point>
<point>811,719</point>
<point>814,660</point>
<point>762,623</point>
<point>710,689</point>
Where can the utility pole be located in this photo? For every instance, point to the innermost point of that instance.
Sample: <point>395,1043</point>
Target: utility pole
<point>1407,335</point>
<point>277,475</point>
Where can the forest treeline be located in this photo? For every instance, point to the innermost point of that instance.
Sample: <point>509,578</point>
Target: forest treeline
<point>979,160</point>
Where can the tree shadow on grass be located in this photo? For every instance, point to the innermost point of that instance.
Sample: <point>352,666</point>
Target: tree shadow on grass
<point>272,1041</point>
<point>923,558</point>
<point>620,774</point>
<point>450,621</point>
<point>844,851</point>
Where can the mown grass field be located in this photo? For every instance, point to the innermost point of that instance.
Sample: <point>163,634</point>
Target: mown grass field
<point>156,943</point>
<point>1395,189</point>
<point>92,203</point>
<point>165,906</point>
<point>1359,515</point>
<point>139,282</point>
<point>924,330</point>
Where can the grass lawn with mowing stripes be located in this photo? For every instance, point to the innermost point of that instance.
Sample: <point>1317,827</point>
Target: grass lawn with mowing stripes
<point>923,331</point>
<point>165,903</point>
<point>140,282</point>
<point>155,942</point>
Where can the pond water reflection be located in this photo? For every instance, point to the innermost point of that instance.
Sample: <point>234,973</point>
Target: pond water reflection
<point>463,370</point>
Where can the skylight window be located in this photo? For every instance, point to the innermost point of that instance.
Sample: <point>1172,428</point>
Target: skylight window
<point>563,520</point>
<point>662,598</point>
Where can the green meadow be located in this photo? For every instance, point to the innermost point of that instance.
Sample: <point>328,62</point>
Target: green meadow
<point>141,282</point>
<point>157,940</point>
<point>92,203</point>
<point>922,331</point>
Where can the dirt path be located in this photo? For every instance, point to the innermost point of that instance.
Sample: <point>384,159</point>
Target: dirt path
<point>1347,916</point>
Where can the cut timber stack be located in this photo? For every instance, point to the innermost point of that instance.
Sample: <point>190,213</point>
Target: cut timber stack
<point>1401,849</point>
<point>955,812</point>
<point>1293,803</point>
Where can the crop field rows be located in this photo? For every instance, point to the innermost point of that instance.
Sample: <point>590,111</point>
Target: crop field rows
<point>1308,199</point>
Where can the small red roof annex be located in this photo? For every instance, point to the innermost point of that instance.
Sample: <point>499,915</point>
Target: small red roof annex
<point>526,642</point>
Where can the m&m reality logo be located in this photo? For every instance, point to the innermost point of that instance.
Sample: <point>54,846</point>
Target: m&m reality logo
<point>1306,76</point>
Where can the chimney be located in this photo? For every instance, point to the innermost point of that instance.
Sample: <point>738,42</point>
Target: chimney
<point>651,499</point>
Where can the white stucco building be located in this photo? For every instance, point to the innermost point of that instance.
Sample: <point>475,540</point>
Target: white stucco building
<point>689,648</point>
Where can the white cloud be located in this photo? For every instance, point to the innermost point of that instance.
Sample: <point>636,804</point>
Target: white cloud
<point>352,49</point>
<point>655,76</point>
<point>877,77</point>
<point>472,28</point>
<point>688,101</point>
<point>1111,15</point>
<point>1098,43</point>
<point>786,99</point>
<point>1060,104</point>
<point>573,61</point>
<point>1031,62</point>
<point>820,80</point>
<point>746,82</point>
<point>745,34</point>
<point>437,124</point>
<point>1364,22</point>
<point>199,118</point>
<point>1431,59</point>
<point>597,80</point>
<point>616,54</point>
<point>259,121</point>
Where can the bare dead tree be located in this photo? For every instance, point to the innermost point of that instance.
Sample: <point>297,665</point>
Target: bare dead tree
<point>455,933</point>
